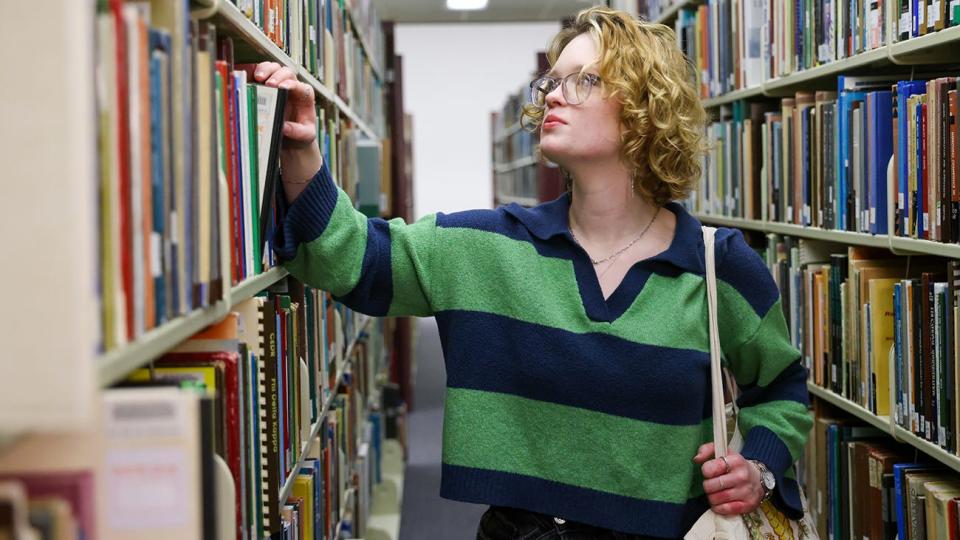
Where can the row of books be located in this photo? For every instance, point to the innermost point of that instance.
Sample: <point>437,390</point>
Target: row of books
<point>517,145</point>
<point>652,10</point>
<point>271,365</point>
<point>318,35</point>
<point>519,182</point>
<point>510,141</point>
<point>176,115</point>
<point>876,329</point>
<point>248,391</point>
<point>509,114</point>
<point>825,159</point>
<point>160,238</point>
<point>736,44</point>
<point>860,484</point>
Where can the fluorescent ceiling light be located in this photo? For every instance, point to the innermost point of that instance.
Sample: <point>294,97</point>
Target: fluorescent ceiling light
<point>466,5</point>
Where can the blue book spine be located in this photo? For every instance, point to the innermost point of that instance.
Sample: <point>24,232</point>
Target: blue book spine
<point>881,148</point>
<point>903,163</point>
<point>156,183</point>
<point>898,479</point>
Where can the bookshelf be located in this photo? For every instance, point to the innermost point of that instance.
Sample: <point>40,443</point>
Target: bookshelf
<point>883,423</point>
<point>669,14</point>
<point>820,195</point>
<point>233,22</point>
<point>57,338</point>
<point>373,57</point>
<point>519,174</point>
<point>513,165</point>
<point>116,364</point>
<point>315,428</point>
<point>506,132</point>
<point>925,49</point>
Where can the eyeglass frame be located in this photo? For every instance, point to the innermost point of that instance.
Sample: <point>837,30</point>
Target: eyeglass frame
<point>594,79</point>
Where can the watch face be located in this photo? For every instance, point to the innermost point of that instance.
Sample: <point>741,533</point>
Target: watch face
<point>769,481</point>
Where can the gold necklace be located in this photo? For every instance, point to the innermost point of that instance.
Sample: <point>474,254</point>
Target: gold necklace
<point>628,246</point>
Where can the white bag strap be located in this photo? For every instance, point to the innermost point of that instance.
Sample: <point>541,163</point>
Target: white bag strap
<point>716,374</point>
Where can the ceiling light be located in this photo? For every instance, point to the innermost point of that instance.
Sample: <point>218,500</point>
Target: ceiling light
<point>466,5</point>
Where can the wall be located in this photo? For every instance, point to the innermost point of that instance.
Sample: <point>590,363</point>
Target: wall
<point>454,76</point>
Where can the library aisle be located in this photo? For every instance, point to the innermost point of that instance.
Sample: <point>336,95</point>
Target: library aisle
<point>190,353</point>
<point>425,514</point>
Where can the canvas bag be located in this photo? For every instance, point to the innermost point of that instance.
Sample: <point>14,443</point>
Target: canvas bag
<point>766,521</point>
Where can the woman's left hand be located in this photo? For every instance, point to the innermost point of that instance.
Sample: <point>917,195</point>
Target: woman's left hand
<point>733,485</point>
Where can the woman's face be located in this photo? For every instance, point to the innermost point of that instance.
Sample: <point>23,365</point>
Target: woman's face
<point>589,131</point>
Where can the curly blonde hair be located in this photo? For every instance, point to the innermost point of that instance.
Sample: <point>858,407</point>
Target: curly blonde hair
<point>662,117</point>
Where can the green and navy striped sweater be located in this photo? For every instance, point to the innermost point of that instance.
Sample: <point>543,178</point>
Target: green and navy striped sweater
<point>560,401</point>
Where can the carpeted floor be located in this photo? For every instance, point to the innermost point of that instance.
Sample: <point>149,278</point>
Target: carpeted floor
<point>425,516</point>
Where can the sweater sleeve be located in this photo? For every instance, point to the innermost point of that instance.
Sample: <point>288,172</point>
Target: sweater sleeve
<point>374,266</point>
<point>774,418</point>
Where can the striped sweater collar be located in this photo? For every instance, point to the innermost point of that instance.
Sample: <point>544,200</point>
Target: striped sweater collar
<point>551,219</point>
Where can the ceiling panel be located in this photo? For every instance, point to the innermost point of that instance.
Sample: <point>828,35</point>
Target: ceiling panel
<point>431,11</point>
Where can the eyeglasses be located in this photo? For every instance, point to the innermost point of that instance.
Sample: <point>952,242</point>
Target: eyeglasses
<point>576,88</point>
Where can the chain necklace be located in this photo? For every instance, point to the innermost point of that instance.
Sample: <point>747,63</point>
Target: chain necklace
<point>628,246</point>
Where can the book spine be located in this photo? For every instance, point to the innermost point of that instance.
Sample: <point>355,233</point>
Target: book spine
<point>270,439</point>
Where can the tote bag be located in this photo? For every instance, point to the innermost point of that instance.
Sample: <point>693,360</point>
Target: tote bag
<point>766,522</point>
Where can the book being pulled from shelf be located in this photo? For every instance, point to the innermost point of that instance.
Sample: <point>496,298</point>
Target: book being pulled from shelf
<point>877,152</point>
<point>320,36</point>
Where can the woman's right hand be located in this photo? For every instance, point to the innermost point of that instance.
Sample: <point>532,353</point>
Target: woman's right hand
<point>300,156</point>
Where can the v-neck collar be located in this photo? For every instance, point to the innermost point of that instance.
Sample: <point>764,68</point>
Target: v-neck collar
<point>685,254</point>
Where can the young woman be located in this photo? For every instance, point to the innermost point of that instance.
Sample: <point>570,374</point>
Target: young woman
<point>575,333</point>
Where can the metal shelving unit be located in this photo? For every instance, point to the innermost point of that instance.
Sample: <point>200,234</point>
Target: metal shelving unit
<point>367,51</point>
<point>879,422</point>
<point>522,201</point>
<point>940,46</point>
<point>508,131</point>
<point>894,243</point>
<point>116,364</point>
<point>235,23</point>
<point>288,483</point>
<point>513,165</point>
<point>883,423</point>
<point>912,50</point>
<point>671,12</point>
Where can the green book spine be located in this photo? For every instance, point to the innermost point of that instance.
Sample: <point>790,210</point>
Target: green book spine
<point>254,180</point>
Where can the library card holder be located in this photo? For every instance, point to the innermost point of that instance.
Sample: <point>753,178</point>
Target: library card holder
<point>766,521</point>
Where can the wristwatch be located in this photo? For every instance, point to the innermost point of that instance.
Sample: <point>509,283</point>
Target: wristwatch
<point>767,480</point>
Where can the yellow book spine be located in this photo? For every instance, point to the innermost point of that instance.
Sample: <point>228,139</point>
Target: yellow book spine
<point>881,336</point>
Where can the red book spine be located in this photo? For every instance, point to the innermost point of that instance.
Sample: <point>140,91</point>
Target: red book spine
<point>123,153</point>
<point>228,149</point>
